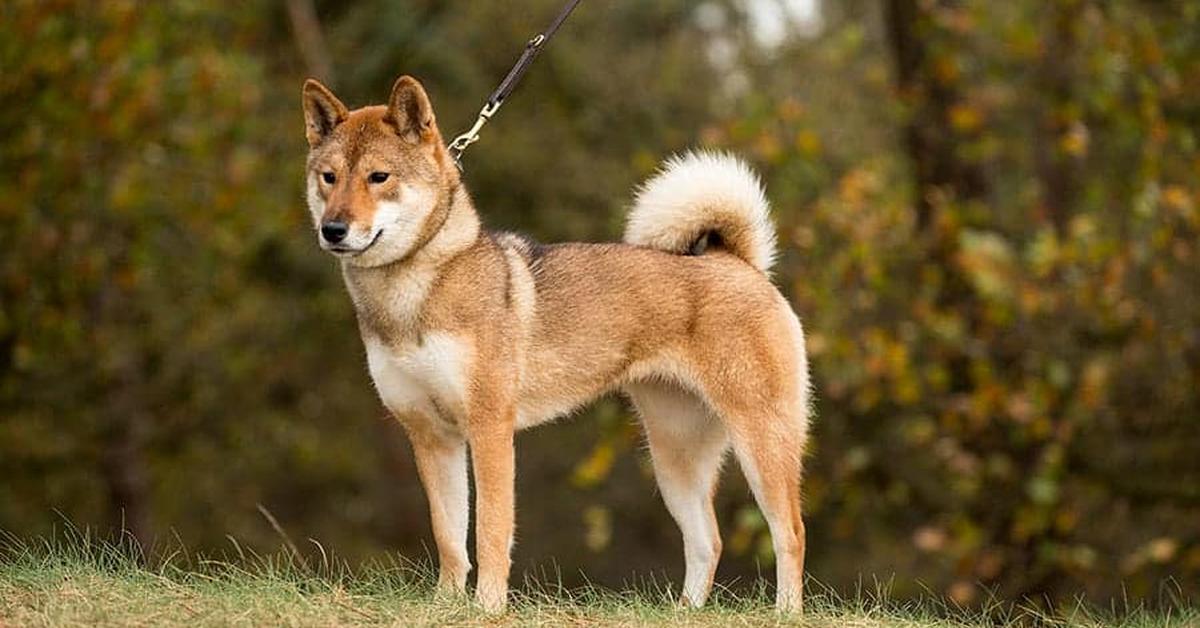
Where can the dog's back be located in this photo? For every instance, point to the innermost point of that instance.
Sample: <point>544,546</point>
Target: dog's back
<point>687,298</point>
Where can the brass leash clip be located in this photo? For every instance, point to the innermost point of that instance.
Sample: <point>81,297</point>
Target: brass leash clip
<point>460,143</point>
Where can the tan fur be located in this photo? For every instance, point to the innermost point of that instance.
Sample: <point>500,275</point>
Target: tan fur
<point>473,335</point>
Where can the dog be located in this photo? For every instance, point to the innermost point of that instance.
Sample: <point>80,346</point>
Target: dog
<point>472,335</point>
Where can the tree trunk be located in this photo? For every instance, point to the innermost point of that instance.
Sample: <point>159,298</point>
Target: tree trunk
<point>310,40</point>
<point>929,140</point>
<point>1057,165</point>
<point>124,416</point>
<point>124,471</point>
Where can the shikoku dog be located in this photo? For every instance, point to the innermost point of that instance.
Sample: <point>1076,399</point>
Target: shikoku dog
<point>472,335</point>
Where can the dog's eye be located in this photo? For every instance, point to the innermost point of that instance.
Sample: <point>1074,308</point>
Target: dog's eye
<point>378,177</point>
<point>329,177</point>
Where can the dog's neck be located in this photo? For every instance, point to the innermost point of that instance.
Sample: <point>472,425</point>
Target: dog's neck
<point>389,298</point>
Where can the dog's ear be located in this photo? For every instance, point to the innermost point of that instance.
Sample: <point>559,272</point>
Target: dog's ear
<point>410,112</point>
<point>322,112</point>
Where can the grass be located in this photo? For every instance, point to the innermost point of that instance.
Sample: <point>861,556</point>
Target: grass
<point>81,582</point>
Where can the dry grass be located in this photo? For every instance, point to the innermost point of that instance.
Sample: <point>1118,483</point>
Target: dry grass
<point>78,582</point>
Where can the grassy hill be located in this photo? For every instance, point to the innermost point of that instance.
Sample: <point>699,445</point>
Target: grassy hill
<point>81,583</point>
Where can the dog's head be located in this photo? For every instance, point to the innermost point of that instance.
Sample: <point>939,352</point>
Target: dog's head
<point>377,175</point>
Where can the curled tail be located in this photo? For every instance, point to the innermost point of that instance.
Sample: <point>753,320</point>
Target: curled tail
<point>700,199</point>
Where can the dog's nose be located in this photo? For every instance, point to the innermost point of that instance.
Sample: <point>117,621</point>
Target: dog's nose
<point>334,231</point>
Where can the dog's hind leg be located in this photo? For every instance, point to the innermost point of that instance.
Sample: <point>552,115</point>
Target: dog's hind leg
<point>770,456</point>
<point>687,446</point>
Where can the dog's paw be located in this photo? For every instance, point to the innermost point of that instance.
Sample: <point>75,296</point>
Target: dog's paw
<point>451,584</point>
<point>789,603</point>
<point>450,590</point>
<point>492,599</point>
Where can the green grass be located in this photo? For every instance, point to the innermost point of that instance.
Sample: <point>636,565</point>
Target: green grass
<point>80,582</point>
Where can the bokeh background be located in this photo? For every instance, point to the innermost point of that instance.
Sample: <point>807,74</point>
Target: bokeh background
<point>989,214</point>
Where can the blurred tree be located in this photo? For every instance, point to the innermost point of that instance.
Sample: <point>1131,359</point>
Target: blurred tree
<point>926,57</point>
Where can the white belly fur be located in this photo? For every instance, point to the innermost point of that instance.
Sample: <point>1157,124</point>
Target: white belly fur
<point>429,382</point>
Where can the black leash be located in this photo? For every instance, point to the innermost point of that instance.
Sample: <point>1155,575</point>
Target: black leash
<point>506,87</point>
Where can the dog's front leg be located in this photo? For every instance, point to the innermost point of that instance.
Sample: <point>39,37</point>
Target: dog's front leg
<point>442,465</point>
<point>492,456</point>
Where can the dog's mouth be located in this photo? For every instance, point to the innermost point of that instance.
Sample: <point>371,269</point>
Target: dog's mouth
<point>345,251</point>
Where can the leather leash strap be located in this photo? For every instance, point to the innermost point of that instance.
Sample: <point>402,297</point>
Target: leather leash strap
<point>506,87</point>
